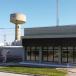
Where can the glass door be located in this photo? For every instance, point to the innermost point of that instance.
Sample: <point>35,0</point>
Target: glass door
<point>74,55</point>
<point>70,54</point>
<point>50,54</point>
<point>44,54</point>
<point>56,54</point>
<point>64,55</point>
<point>32,53</point>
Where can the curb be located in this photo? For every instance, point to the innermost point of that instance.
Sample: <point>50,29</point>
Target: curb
<point>23,73</point>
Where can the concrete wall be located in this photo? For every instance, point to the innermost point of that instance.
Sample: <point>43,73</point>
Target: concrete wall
<point>11,53</point>
<point>14,51</point>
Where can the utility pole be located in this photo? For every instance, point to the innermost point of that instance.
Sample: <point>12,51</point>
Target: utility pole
<point>57,12</point>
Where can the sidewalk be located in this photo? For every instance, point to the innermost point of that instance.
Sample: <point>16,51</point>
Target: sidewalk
<point>71,71</point>
<point>11,74</point>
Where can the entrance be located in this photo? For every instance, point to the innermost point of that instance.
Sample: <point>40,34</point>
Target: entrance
<point>50,54</point>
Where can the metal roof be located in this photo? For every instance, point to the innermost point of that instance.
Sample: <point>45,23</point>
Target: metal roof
<point>50,32</point>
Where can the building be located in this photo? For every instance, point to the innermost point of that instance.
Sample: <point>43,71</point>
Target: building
<point>50,44</point>
<point>11,53</point>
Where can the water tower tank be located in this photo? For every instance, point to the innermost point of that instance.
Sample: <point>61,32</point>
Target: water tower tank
<point>17,18</point>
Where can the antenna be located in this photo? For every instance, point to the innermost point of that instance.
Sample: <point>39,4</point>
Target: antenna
<point>57,12</point>
<point>4,39</point>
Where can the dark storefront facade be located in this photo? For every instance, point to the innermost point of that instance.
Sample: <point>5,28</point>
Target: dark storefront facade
<point>57,47</point>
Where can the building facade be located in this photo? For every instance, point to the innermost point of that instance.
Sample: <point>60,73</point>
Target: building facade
<point>50,44</point>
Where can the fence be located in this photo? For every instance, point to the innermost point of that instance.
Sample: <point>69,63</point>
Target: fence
<point>8,34</point>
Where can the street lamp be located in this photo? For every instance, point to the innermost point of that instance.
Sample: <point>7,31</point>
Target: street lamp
<point>57,12</point>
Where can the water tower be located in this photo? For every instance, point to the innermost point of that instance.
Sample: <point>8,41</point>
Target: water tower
<point>17,18</point>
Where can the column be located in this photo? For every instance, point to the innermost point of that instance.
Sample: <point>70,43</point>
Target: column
<point>40,55</point>
<point>59,54</point>
<point>25,54</point>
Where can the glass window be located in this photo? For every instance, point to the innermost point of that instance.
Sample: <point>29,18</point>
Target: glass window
<point>64,55</point>
<point>70,54</point>
<point>74,55</point>
<point>70,48</point>
<point>50,47</point>
<point>64,48</point>
<point>50,56</point>
<point>56,48</point>
<point>38,48</point>
<point>56,55</point>
<point>44,55</point>
<point>33,54</point>
<point>36,55</point>
<point>32,48</point>
<point>28,53</point>
<point>28,48</point>
<point>74,47</point>
<point>44,49</point>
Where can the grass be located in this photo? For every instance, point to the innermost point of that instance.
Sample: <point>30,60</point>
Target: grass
<point>29,70</point>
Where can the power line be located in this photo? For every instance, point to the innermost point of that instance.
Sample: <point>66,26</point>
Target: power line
<point>4,38</point>
<point>9,28</point>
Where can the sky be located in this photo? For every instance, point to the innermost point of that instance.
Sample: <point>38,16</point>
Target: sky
<point>39,13</point>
